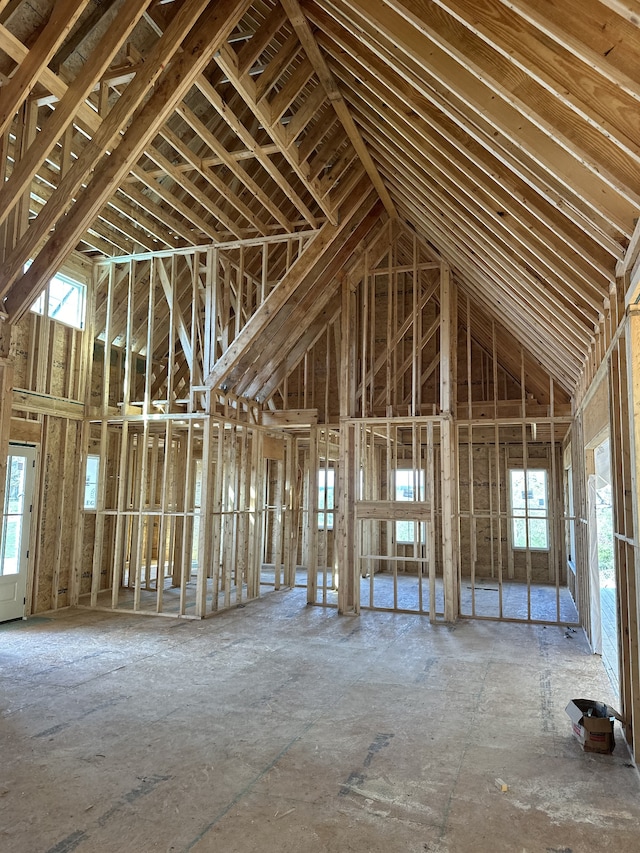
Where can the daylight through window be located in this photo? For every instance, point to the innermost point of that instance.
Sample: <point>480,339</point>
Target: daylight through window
<point>91,482</point>
<point>326,482</point>
<point>65,301</point>
<point>409,487</point>
<point>529,509</point>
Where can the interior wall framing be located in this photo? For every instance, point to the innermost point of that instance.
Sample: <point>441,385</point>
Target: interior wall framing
<point>609,390</point>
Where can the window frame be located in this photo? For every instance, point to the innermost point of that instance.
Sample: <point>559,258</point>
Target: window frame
<point>527,515</point>
<point>326,488</point>
<point>91,507</point>
<point>400,525</point>
<point>38,307</point>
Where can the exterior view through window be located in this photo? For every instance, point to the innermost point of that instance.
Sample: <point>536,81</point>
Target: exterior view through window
<point>326,482</point>
<point>409,487</point>
<point>91,482</point>
<point>529,509</point>
<point>63,300</point>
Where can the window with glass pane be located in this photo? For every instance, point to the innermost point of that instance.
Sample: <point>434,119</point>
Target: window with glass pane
<point>409,487</point>
<point>326,480</point>
<point>13,513</point>
<point>91,482</point>
<point>65,301</point>
<point>529,509</point>
<point>569,511</point>
<point>197,503</point>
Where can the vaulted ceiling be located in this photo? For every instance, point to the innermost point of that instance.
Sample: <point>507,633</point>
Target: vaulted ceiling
<point>505,134</point>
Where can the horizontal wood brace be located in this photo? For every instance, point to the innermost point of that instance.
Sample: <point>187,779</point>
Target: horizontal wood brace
<point>393,510</point>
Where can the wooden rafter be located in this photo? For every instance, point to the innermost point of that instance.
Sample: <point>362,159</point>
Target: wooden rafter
<point>205,38</point>
<point>230,367</point>
<point>228,62</point>
<point>63,16</point>
<point>304,307</point>
<point>328,82</point>
<point>67,107</point>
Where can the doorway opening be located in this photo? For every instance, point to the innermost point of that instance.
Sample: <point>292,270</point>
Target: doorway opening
<point>16,523</point>
<point>606,569</point>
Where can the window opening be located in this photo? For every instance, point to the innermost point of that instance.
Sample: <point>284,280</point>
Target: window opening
<point>409,486</point>
<point>64,299</point>
<point>326,482</point>
<point>91,482</point>
<point>529,509</point>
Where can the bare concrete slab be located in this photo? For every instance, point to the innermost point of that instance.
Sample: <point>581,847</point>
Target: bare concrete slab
<point>282,727</point>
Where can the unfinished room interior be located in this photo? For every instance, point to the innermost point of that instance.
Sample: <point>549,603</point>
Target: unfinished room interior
<point>319,425</point>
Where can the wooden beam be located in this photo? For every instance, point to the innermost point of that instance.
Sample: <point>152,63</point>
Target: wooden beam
<point>260,152</point>
<point>231,162</point>
<point>291,418</point>
<point>23,430</point>
<point>204,39</point>
<point>82,32</point>
<point>107,135</point>
<point>322,247</point>
<point>67,108</point>
<point>438,53</point>
<point>328,82</point>
<point>46,404</point>
<point>368,59</point>
<point>227,61</point>
<point>62,18</point>
<point>288,327</point>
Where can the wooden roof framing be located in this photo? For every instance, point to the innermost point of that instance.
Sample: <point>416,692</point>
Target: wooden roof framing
<point>504,134</point>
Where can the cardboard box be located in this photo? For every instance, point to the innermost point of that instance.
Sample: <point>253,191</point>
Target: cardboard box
<point>592,724</point>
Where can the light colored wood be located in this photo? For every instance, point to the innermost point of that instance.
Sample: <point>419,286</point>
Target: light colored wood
<point>105,134</point>
<point>448,317</point>
<point>273,447</point>
<point>261,153</point>
<point>231,161</point>
<point>461,75</point>
<point>63,16</point>
<point>294,418</point>
<point>295,278</point>
<point>23,430</point>
<point>6,392</point>
<point>393,510</point>
<point>244,85</point>
<point>46,404</point>
<point>328,82</point>
<point>633,347</point>
<point>68,106</point>
<point>176,80</point>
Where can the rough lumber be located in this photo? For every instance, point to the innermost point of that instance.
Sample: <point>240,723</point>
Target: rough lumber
<point>227,369</point>
<point>69,104</point>
<point>108,134</point>
<point>290,418</point>
<point>63,16</point>
<point>174,83</point>
<point>310,45</point>
<point>292,322</point>
<point>227,61</point>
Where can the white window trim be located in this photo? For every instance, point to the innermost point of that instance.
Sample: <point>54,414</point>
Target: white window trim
<point>538,465</point>
<point>38,307</point>
<point>86,507</point>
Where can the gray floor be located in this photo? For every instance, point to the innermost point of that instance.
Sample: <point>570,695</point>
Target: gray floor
<point>537,603</point>
<point>610,636</point>
<point>285,728</point>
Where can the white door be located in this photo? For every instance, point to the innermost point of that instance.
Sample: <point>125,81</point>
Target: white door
<point>16,520</point>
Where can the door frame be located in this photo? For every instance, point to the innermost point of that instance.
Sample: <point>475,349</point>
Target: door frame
<point>30,452</point>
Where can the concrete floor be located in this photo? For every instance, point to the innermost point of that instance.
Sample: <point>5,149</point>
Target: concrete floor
<point>282,728</point>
